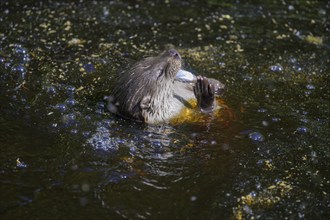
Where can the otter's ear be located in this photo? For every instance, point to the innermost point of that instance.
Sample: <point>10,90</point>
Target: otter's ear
<point>145,102</point>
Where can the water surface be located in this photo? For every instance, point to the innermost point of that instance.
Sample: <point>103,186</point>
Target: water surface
<point>63,156</point>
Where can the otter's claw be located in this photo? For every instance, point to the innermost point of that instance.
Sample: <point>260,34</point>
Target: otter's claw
<point>205,94</point>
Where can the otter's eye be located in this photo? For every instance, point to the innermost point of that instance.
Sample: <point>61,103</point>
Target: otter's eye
<point>175,54</point>
<point>160,72</point>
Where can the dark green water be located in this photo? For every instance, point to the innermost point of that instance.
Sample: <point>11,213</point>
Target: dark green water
<point>64,157</point>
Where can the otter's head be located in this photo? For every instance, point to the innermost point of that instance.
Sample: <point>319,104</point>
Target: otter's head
<point>148,85</point>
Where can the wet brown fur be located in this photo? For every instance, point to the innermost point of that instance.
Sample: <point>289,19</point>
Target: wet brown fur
<point>145,91</point>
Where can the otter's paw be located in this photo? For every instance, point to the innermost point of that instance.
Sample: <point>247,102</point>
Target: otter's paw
<point>205,94</point>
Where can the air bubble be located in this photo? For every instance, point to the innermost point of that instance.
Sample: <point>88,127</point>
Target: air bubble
<point>302,130</point>
<point>310,87</point>
<point>89,68</point>
<point>61,107</point>
<point>70,117</point>
<point>70,102</point>
<point>256,136</point>
<point>20,71</point>
<point>74,131</point>
<point>51,90</point>
<point>18,49</point>
<point>100,105</point>
<point>265,123</point>
<point>290,7</point>
<point>70,90</point>
<point>99,111</point>
<point>262,110</point>
<point>21,54</point>
<point>275,119</point>
<point>86,134</point>
<point>276,68</point>
<point>7,65</point>
<point>297,68</point>
<point>107,123</point>
<point>2,60</point>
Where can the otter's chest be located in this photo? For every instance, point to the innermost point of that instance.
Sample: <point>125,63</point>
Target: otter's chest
<point>169,103</point>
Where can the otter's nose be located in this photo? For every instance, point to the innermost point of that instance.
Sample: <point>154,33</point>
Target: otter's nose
<point>174,53</point>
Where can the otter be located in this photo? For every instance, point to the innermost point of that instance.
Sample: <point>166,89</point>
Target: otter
<point>156,90</point>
